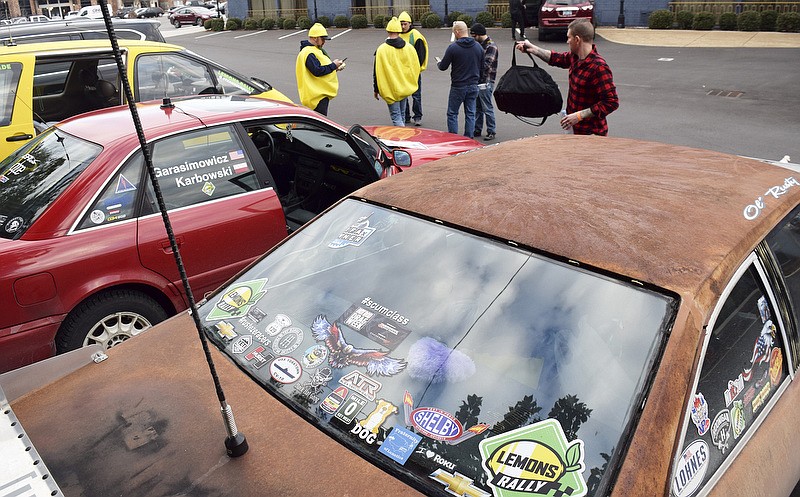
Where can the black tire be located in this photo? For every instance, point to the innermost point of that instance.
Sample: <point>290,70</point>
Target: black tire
<point>176,23</point>
<point>108,319</point>
<point>198,22</point>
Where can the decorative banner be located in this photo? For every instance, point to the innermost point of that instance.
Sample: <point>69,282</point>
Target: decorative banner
<point>238,299</point>
<point>536,459</point>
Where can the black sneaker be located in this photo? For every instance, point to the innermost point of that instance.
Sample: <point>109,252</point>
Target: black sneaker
<point>476,133</point>
<point>489,137</point>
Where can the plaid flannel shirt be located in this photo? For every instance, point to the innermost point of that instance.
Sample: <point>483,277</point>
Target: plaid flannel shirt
<point>489,68</point>
<point>591,85</point>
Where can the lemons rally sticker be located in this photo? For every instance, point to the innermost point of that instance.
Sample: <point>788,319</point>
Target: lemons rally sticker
<point>238,299</point>
<point>535,460</point>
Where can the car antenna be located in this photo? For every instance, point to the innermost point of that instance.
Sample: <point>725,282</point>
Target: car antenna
<point>235,442</point>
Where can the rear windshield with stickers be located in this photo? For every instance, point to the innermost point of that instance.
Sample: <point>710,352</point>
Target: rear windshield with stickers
<point>451,360</point>
<point>35,175</point>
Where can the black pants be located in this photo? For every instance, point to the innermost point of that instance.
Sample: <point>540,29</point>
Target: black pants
<point>322,106</point>
<point>518,18</point>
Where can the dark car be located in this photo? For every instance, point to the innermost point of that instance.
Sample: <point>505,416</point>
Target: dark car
<point>191,15</point>
<point>89,29</point>
<point>555,15</point>
<point>84,255</point>
<point>150,12</point>
<point>622,323</point>
<point>126,12</point>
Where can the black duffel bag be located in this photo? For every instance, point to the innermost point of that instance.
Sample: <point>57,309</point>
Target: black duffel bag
<point>528,92</point>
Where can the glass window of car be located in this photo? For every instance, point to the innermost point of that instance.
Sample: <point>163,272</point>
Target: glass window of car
<point>784,242</point>
<point>50,77</point>
<point>117,202</point>
<point>232,84</point>
<point>33,176</point>
<point>171,75</point>
<point>200,166</point>
<point>744,366</point>
<point>371,323</point>
<point>9,82</point>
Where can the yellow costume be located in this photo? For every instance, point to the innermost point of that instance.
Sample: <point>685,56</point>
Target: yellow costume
<point>396,72</point>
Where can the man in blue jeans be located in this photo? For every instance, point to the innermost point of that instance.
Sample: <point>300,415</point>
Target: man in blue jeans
<point>486,83</point>
<point>466,57</point>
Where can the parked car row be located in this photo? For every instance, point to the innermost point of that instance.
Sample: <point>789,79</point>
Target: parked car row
<point>192,15</point>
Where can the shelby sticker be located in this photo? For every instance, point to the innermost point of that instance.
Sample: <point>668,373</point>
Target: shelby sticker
<point>536,460</point>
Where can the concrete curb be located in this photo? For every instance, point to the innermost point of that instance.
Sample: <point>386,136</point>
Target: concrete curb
<point>708,39</point>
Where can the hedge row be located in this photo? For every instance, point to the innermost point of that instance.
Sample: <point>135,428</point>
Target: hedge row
<point>768,20</point>
<point>427,20</point>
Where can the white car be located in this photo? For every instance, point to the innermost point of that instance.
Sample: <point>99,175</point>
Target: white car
<point>71,14</point>
<point>38,18</point>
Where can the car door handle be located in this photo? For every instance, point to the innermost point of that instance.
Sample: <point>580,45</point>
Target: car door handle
<point>167,247</point>
<point>19,138</point>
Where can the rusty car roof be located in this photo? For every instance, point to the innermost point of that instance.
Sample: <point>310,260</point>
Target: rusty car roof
<point>663,214</point>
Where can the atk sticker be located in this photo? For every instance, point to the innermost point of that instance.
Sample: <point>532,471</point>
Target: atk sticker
<point>759,399</point>
<point>333,401</point>
<point>285,369</point>
<point>721,430</point>
<point>241,344</point>
<point>761,349</point>
<point>735,387</point>
<point>258,357</point>
<point>354,235</point>
<point>124,185</point>
<point>225,331</point>
<point>281,321</point>
<point>436,423</point>
<point>238,300</point>
<point>535,460</point>
<point>351,407</point>
<point>97,216</point>
<point>775,366</point>
<point>287,341</point>
<point>14,224</point>
<point>691,469</point>
<point>312,389</point>
<point>314,356</point>
<point>737,418</point>
<point>378,416</point>
<point>399,444</point>
<point>763,309</point>
<point>435,458</point>
<point>361,383</point>
<point>699,410</point>
<point>380,324</point>
<point>343,354</point>
<point>208,188</point>
<point>249,321</point>
<point>457,484</point>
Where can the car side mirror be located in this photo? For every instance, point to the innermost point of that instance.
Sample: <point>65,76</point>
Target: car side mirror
<point>401,158</point>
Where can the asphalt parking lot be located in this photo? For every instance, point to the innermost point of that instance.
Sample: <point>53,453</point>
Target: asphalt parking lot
<point>734,94</point>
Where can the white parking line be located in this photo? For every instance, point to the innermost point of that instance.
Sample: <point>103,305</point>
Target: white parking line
<point>215,33</point>
<point>250,34</point>
<point>292,34</point>
<point>340,34</point>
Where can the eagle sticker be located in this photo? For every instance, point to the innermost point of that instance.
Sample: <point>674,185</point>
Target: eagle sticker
<point>238,299</point>
<point>342,354</point>
<point>535,460</point>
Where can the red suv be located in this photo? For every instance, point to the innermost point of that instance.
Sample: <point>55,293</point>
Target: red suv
<point>86,258</point>
<point>555,15</point>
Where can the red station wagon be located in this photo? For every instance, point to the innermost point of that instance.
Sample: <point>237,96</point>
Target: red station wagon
<point>85,254</point>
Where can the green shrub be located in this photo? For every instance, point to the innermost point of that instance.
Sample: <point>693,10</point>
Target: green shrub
<point>325,21</point>
<point>727,21</point>
<point>251,24</point>
<point>505,20</point>
<point>216,24</point>
<point>279,22</point>
<point>267,23</point>
<point>485,18</point>
<point>289,23</point>
<point>304,22</point>
<point>660,19</point>
<point>379,22</point>
<point>341,22</point>
<point>466,19</point>
<point>432,21</point>
<point>233,24</point>
<point>358,21</point>
<point>788,22</point>
<point>704,21</point>
<point>453,17</point>
<point>749,20</point>
<point>685,18</point>
<point>769,19</point>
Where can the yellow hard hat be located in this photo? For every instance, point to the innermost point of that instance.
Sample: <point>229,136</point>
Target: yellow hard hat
<point>393,26</point>
<point>317,30</point>
<point>404,17</point>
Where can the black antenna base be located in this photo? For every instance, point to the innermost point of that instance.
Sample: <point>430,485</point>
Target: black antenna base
<point>236,445</point>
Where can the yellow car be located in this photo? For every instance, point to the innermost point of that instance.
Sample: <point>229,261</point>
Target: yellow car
<point>42,83</point>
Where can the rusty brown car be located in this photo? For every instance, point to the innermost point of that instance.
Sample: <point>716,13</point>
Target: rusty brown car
<point>556,316</point>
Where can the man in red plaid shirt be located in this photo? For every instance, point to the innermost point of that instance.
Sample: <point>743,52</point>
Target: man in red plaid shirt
<point>592,94</point>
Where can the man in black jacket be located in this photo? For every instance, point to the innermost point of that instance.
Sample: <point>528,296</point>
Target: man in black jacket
<point>517,10</point>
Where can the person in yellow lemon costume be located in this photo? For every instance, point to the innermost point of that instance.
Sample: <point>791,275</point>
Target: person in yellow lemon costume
<point>396,71</point>
<point>317,81</point>
<point>420,44</point>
